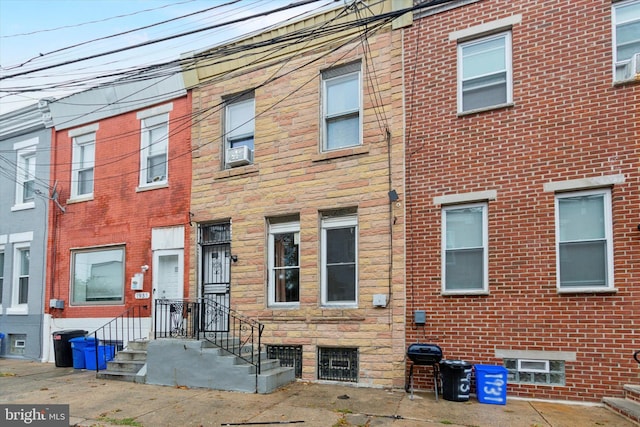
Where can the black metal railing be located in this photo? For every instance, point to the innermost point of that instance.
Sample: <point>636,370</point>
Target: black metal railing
<point>114,335</point>
<point>208,319</point>
<point>636,356</point>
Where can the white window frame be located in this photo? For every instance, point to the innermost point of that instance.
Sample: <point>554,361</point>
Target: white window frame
<point>25,172</point>
<point>485,249</point>
<point>627,62</point>
<point>2,276</point>
<point>328,223</point>
<point>72,284</point>
<point>18,307</point>
<point>275,229</point>
<point>337,75</point>
<point>608,230</point>
<point>80,142</point>
<point>147,126</point>
<point>506,35</point>
<point>235,140</point>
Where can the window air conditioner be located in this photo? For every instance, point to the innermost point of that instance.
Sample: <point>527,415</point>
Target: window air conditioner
<point>239,156</point>
<point>629,68</point>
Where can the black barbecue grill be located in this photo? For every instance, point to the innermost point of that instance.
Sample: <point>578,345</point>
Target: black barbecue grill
<point>424,355</point>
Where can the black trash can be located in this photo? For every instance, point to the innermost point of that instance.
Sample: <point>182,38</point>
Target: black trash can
<point>456,380</point>
<point>62,346</point>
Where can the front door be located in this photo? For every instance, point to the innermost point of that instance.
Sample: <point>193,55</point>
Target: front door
<point>215,278</point>
<point>167,285</point>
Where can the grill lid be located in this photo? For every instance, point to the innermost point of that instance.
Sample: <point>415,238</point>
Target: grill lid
<point>424,354</point>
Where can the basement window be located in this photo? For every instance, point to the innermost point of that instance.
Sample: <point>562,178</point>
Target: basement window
<point>534,371</point>
<point>338,364</point>
<point>289,356</point>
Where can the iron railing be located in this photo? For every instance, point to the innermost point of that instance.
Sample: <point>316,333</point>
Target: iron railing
<point>636,356</point>
<point>114,335</point>
<point>206,318</point>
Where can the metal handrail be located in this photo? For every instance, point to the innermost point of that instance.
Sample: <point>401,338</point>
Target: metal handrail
<point>636,356</point>
<point>119,331</point>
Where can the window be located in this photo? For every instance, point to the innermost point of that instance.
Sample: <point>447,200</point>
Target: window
<point>531,371</point>
<point>239,130</point>
<point>83,164</point>
<point>288,355</point>
<point>21,275</point>
<point>338,364</point>
<point>626,51</point>
<point>284,263</point>
<point>342,116</point>
<point>339,260</point>
<point>154,150</point>
<point>584,247</point>
<point>1,275</point>
<point>464,248</point>
<point>484,73</point>
<point>97,276</point>
<point>26,176</point>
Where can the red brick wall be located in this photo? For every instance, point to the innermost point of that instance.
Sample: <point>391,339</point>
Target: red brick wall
<point>117,214</point>
<point>568,121</point>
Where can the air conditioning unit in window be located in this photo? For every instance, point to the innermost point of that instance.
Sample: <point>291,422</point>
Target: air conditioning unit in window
<point>628,70</point>
<point>239,156</point>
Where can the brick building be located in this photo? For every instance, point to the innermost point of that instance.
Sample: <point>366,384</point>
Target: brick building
<point>297,170</point>
<point>523,190</point>
<point>120,214</point>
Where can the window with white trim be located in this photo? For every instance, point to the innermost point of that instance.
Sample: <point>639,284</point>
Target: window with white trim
<point>465,257</point>
<point>284,263</point>
<point>484,73</point>
<point>1,273</point>
<point>533,371</point>
<point>21,274</point>
<point>339,260</point>
<point>97,276</point>
<point>584,247</point>
<point>154,150</point>
<point>239,131</point>
<point>341,107</point>
<point>626,35</point>
<point>26,176</point>
<point>83,165</point>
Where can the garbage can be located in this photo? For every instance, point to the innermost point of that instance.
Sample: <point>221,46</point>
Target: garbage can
<point>1,340</point>
<point>62,346</point>
<point>78,346</point>
<point>456,380</point>
<point>491,384</point>
<point>104,354</point>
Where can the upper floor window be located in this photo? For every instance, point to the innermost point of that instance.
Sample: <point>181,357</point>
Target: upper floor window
<point>484,73</point>
<point>339,260</point>
<point>1,274</point>
<point>626,50</point>
<point>342,107</point>
<point>465,248</point>
<point>26,176</point>
<point>239,130</point>
<point>584,248</point>
<point>154,150</point>
<point>83,165</point>
<point>97,276</point>
<point>284,263</point>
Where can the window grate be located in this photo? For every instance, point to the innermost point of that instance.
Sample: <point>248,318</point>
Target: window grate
<point>215,233</point>
<point>338,364</point>
<point>289,356</point>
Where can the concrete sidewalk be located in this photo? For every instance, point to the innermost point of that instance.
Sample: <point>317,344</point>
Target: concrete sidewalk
<point>95,402</point>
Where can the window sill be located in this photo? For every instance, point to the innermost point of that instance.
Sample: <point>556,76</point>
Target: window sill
<point>21,310</point>
<point>565,291</point>
<point>237,171</point>
<point>23,206</point>
<point>466,292</point>
<point>481,110</point>
<point>80,199</point>
<point>284,306</point>
<point>150,187</point>
<point>635,79</point>
<point>345,152</point>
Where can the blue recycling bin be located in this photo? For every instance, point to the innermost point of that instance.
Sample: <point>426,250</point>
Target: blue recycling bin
<point>1,339</point>
<point>78,347</point>
<point>491,384</point>
<point>104,354</point>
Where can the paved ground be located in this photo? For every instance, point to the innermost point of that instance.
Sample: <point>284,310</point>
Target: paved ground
<point>94,402</point>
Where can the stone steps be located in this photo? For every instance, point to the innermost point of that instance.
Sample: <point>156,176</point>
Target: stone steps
<point>627,406</point>
<point>129,364</point>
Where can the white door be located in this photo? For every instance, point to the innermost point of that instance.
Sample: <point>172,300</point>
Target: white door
<point>168,286</point>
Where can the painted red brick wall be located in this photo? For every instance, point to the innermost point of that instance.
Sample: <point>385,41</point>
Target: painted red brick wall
<point>118,214</point>
<point>568,122</point>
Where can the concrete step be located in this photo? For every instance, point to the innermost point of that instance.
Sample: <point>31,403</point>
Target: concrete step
<point>632,392</point>
<point>272,379</point>
<point>125,365</point>
<point>138,345</point>
<point>126,355</point>
<point>628,408</point>
<point>117,376</point>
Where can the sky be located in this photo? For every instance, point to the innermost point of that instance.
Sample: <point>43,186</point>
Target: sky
<point>38,34</point>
